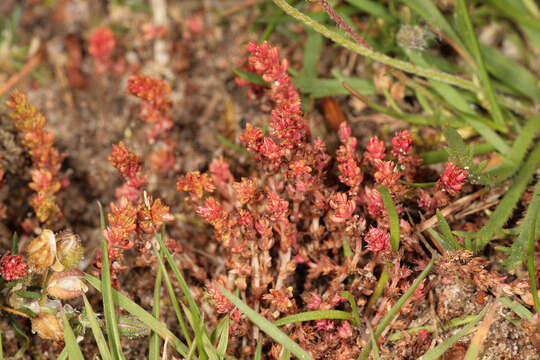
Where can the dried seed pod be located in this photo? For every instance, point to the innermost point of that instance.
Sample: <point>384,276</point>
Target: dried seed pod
<point>47,327</point>
<point>41,252</point>
<point>67,285</point>
<point>131,327</point>
<point>68,251</point>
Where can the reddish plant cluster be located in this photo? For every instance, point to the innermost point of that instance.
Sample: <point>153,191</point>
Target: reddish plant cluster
<point>46,159</point>
<point>155,108</point>
<point>12,267</point>
<point>102,44</point>
<point>134,216</point>
<point>294,214</point>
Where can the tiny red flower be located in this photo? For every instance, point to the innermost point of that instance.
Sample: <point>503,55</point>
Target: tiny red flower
<point>401,144</point>
<point>343,208</point>
<point>375,204</point>
<point>126,162</point>
<point>345,331</point>
<point>245,190</point>
<point>211,210</point>
<point>276,206</point>
<point>387,173</point>
<point>375,149</point>
<point>315,302</point>
<point>12,267</point>
<point>377,239</point>
<point>252,137</point>
<point>453,178</point>
<point>102,44</point>
<point>219,168</point>
<point>195,183</point>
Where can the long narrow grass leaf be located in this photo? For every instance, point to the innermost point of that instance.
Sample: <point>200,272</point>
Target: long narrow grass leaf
<point>258,351</point>
<point>506,206</point>
<point>462,15</point>
<point>393,216</point>
<point>111,322</point>
<point>354,308</point>
<point>314,315</point>
<point>312,53</point>
<point>385,321</point>
<point>172,296</point>
<point>379,288</point>
<point>187,293</point>
<point>530,259</point>
<point>373,341</point>
<point>447,232</point>
<point>223,337</point>
<point>439,156</point>
<point>104,351</point>
<point>142,315</point>
<point>372,7</point>
<point>519,309</point>
<point>73,348</point>
<point>266,326</point>
<point>519,246</point>
<point>440,349</point>
<point>1,347</point>
<point>511,73</point>
<point>153,348</point>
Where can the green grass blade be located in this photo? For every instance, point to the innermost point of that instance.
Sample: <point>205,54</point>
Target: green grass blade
<point>314,315</point>
<point>372,7</point>
<point>519,309</point>
<point>258,351</point>
<point>319,87</point>
<point>354,308</point>
<point>440,349</point>
<point>187,293</point>
<point>440,156</point>
<point>153,348</point>
<point>249,76</point>
<point>487,133</point>
<point>462,16</point>
<point>312,53</point>
<point>373,341</point>
<point>223,336</point>
<point>447,232</point>
<point>524,140</point>
<point>519,245</point>
<point>63,354</point>
<point>73,348</point>
<point>1,347</point>
<point>15,244</point>
<point>393,216</point>
<point>506,206</point>
<point>173,298</point>
<point>142,315</point>
<point>104,352</point>
<point>379,288</point>
<point>385,321</point>
<point>511,73</point>
<point>266,326</point>
<point>530,259</point>
<point>285,354</point>
<point>111,322</point>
